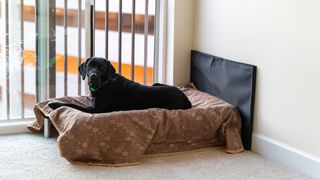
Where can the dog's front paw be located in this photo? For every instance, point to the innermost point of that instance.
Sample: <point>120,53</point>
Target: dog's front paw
<point>54,105</point>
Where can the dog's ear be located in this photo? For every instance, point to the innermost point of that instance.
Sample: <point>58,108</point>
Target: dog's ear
<point>82,69</point>
<point>110,69</point>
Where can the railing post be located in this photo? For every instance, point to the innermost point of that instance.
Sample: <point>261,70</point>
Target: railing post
<point>79,42</point>
<point>146,33</point>
<point>133,37</point>
<point>156,42</point>
<point>87,22</point>
<point>65,61</point>
<point>89,31</point>
<point>106,29</point>
<point>120,38</point>
<point>7,58</point>
<point>52,48</point>
<point>22,57</point>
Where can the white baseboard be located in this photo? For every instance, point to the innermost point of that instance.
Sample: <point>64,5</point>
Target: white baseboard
<point>286,155</point>
<point>14,127</point>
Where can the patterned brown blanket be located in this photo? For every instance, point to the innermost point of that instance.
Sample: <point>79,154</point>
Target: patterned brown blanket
<point>125,137</point>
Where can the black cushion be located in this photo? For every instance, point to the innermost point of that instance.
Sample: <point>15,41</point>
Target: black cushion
<point>231,81</point>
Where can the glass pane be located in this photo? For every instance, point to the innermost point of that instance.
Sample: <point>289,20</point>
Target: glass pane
<point>14,61</point>
<point>18,53</point>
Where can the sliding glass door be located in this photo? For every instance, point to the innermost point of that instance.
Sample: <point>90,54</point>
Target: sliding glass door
<point>42,43</point>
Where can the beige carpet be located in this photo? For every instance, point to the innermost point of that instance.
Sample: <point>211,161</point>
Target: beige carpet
<point>29,156</point>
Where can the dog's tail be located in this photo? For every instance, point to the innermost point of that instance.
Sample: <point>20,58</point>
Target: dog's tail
<point>186,102</point>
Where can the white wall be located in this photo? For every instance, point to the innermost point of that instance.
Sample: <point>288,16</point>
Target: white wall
<point>180,29</point>
<point>281,37</point>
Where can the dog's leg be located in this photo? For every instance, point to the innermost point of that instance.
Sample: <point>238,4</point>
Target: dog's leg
<point>80,108</point>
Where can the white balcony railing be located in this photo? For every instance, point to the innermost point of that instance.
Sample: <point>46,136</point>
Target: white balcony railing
<point>42,42</point>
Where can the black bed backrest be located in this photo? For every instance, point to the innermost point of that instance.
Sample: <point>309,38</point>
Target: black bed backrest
<point>231,81</point>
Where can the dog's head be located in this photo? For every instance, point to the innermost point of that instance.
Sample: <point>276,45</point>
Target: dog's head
<point>98,70</point>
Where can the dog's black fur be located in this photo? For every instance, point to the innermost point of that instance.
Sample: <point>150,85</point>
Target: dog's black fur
<point>113,92</point>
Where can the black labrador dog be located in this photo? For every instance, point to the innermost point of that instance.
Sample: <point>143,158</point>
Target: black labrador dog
<point>113,92</point>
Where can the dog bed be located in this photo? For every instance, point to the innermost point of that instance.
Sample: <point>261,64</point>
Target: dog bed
<point>125,137</point>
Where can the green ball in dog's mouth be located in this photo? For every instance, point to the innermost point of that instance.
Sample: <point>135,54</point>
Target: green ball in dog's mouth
<point>92,87</point>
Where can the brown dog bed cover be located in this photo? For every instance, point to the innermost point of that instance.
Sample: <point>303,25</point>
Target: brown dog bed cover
<point>125,137</point>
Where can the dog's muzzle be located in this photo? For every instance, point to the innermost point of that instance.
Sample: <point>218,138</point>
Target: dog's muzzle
<point>93,82</point>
